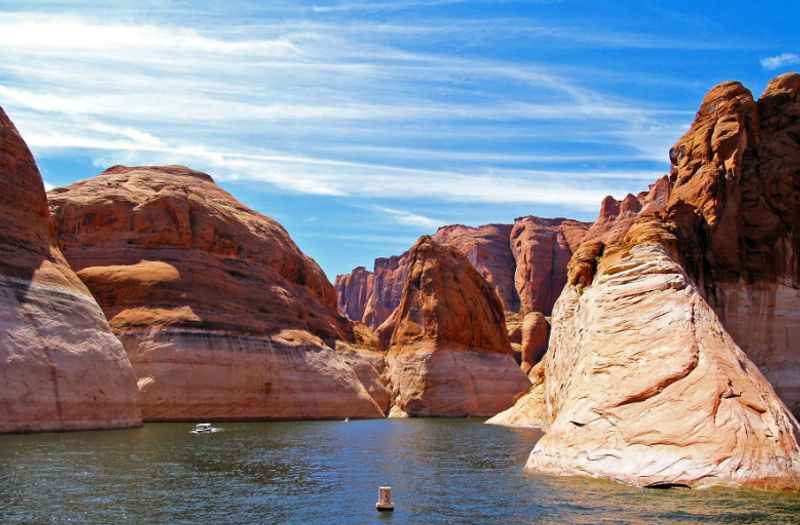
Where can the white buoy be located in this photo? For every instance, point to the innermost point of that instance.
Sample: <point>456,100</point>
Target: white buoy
<point>385,499</point>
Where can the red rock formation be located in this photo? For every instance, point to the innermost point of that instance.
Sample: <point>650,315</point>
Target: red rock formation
<point>542,248</point>
<point>525,260</point>
<point>353,291</point>
<point>220,312</point>
<point>535,335</point>
<point>488,250</point>
<point>448,351</point>
<point>644,381</point>
<point>387,288</point>
<point>61,367</point>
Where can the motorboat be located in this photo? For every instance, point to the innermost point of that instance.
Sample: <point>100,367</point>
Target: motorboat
<point>205,428</point>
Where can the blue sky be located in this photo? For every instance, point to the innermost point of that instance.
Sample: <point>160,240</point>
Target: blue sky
<point>361,125</point>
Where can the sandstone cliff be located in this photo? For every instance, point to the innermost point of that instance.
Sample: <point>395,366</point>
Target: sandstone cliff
<point>220,312</point>
<point>353,290</point>
<point>525,262</point>
<point>448,350</point>
<point>651,376</point>
<point>61,367</point>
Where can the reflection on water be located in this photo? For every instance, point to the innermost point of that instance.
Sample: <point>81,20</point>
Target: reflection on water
<point>441,471</point>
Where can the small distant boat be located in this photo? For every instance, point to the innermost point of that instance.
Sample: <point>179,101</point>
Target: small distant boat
<point>347,420</point>
<point>205,428</point>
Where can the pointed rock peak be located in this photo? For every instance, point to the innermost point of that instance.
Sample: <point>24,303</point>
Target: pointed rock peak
<point>786,83</point>
<point>169,169</point>
<point>447,302</point>
<point>609,208</point>
<point>630,204</point>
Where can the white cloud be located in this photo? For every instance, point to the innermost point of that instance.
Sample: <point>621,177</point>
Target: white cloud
<point>779,61</point>
<point>408,218</point>
<point>273,104</point>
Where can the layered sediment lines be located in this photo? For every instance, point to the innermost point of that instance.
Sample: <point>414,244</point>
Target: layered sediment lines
<point>220,312</point>
<point>652,376</point>
<point>61,368</point>
<point>448,350</point>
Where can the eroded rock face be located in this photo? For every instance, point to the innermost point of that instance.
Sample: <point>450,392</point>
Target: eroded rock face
<point>535,336</point>
<point>448,350</point>
<point>353,291</point>
<point>389,278</point>
<point>61,367</point>
<point>530,409</point>
<point>488,250</point>
<point>542,248</point>
<point>525,263</point>
<point>650,377</point>
<point>222,315</point>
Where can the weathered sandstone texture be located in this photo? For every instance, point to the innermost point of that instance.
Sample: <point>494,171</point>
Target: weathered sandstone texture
<point>448,350</point>
<point>542,248</point>
<point>353,290</point>
<point>525,262</point>
<point>488,250</point>
<point>61,368</point>
<point>530,409</point>
<point>535,336</point>
<point>222,315</point>
<point>651,376</point>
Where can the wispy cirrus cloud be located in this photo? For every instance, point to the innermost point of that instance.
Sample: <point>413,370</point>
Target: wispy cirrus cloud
<point>272,103</point>
<point>779,61</point>
<point>408,218</point>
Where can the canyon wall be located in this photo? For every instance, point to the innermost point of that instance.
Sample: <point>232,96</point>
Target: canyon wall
<point>222,315</point>
<point>652,376</point>
<point>525,263</point>
<point>61,366</point>
<point>448,352</point>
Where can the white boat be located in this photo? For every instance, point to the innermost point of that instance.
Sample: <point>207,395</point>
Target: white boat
<point>205,428</point>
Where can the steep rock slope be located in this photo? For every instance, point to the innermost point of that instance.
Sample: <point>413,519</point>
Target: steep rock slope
<point>542,248</point>
<point>488,250</point>
<point>353,290</point>
<point>61,368</point>
<point>220,312</point>
<point>448,350</point>
<point>644,381</point>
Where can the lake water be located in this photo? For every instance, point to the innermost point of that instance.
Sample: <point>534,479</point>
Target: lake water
<point>441,471</point>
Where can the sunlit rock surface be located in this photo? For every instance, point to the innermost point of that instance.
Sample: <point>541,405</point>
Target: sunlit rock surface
<point>448,350</point>
<point>61,368</point>
<point>222,315</point>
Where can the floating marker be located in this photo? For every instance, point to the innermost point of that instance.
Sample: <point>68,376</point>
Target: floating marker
<point>384,499</point>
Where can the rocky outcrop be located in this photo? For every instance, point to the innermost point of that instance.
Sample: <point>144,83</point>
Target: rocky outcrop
<point>448,350</point>
<point>542,248</point>
<point>535,336</point>
<point>525,263</point>
<point>388,280</point>
<point>353,290</point>
<point>222,315</point>
<point>61,367</point>
<point>651,377</point>
<point>488,250</point>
